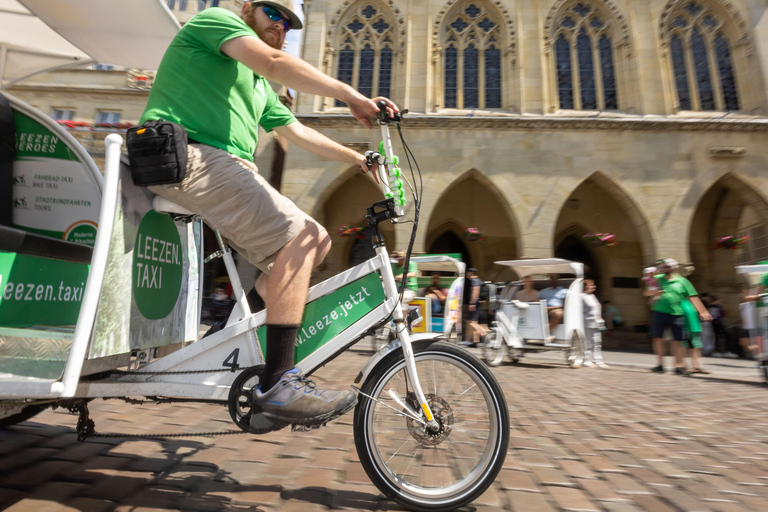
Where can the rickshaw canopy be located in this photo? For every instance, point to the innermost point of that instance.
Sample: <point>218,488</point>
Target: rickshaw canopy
<point>544,266</point>
<point>440,263</point>
<point>753,273</point>
<point>41,35</point>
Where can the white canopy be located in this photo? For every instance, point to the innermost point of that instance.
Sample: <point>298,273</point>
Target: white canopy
<point>439,262</point>
<point>42,35</point>
<point>544,266</point>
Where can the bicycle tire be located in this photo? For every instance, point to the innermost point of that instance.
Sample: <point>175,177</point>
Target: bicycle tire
<point>494,348</point>
<point>574,355</point>
<point>458,400</point>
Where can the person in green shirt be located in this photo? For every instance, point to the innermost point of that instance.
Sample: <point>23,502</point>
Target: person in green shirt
<point>213,80</point>
<point>667,311</point>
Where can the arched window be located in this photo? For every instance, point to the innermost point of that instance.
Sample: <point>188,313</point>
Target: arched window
<point>700,54</point>
<point>472,58</point>
<point>584,59</point>
<point>366,50</point>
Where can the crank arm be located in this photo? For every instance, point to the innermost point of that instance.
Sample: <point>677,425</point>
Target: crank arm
<point>410,414</point>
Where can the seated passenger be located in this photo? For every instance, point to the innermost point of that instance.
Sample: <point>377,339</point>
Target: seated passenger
<point>527,293</point>
<point>554,294</point>
<point>437,293</point>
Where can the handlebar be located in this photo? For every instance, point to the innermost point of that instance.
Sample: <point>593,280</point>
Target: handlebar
<point>390,174</point>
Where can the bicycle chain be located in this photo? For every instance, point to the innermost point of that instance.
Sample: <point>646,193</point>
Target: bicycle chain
<point>86,427</point>
<point>179,372</point>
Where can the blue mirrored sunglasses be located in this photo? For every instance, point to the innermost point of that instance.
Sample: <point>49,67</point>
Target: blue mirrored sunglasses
<point>276,15</point>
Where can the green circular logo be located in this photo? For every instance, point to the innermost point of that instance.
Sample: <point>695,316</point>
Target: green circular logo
<point>84,233</point>
<point>157,266</point>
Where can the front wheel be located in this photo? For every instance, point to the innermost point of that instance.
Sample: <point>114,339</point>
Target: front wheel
<point>574,355</point>
<point>432,470</point>
<point>494,347</point>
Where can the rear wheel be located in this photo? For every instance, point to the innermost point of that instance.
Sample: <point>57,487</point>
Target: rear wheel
<point>494,347</point>
<point>439,469</point>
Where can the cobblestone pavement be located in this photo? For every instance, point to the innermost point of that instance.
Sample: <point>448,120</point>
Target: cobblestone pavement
<point>620,439</point>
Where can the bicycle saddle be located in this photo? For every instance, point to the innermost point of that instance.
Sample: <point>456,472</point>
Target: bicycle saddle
<point>162,205</point>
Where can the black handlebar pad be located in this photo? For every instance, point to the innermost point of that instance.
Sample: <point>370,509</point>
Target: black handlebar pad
<point>382,115</point>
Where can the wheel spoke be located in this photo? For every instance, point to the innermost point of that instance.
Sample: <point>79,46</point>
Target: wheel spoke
<point>446,467</point>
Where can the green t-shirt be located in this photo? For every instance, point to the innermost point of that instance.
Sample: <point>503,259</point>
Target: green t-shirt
<point>675,291</point>
<point>220,101</point>
<point>764,280</point>
<point>410,282</point>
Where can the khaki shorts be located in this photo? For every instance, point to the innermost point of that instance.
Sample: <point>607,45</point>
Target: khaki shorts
<point>232,197</point>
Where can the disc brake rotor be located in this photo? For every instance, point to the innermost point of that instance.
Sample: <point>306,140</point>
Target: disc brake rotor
<point>443,415</point>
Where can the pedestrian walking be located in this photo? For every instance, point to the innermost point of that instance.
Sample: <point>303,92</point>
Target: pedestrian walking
<point>474,308</point>
<point>667,312</point>
<point>594,325</point>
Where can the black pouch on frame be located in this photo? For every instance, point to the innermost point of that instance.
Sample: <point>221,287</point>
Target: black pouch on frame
<point>157,151</point>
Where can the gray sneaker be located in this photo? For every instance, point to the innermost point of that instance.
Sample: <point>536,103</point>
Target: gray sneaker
<point>296,400</point>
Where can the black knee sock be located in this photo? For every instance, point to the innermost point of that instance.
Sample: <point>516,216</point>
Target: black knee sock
<point>280,341</point>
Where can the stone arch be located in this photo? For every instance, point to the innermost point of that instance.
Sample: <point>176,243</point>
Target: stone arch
<point>629,206</point>
<point>717,214</point>
<point>473,200</point>
<point>608,6</point>
<point>504,14</point>
<point>600,204</point>
<point>344,201</point>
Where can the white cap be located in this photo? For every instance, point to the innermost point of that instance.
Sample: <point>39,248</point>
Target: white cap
<point>671,263</point>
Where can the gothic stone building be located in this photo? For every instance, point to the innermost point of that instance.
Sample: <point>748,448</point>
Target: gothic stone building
<point>534,121</point>
<point>539,121</point>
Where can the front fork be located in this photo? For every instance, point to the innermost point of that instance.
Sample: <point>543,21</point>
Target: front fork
<point>404,336</point>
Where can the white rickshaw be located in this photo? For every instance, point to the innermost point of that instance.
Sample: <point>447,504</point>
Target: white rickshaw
<point>753,274</point>
<point>521,327</point>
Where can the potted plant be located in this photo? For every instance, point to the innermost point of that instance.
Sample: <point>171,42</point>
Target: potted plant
<point>730,242</point>
<point>598,239</point>
<point>350,231</point>
<point>473,235</point>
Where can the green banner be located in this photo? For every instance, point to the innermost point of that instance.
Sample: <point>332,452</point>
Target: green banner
<point>40,291</point>
<point>331,314</point>
<point>33,140</point>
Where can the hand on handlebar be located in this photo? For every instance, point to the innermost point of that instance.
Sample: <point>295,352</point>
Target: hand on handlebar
<point>364,109</point>
<point>370,165</point>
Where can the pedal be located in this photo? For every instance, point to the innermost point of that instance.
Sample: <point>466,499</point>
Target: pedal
<point>306,428</point>
<point>260,424</point>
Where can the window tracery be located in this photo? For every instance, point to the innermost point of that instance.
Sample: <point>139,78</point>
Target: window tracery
<point>472,69</point>
<point>700,54</point>
<point>584,59</point>
<point>366,50</point>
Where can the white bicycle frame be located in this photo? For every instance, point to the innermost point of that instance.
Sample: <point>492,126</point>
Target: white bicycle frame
<point>238,338</point>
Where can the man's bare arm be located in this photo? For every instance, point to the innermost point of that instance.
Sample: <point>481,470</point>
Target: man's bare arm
<point>314,141</point>
<point>297,74</point>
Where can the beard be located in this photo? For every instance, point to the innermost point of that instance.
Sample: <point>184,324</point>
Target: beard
<point>266,34</point>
